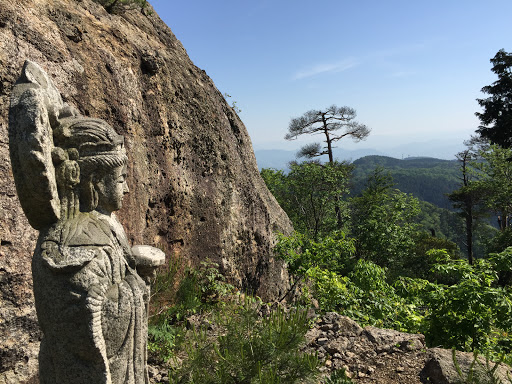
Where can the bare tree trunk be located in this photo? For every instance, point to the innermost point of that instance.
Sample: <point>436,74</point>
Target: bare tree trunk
<point>337,209</point>
<point>469,211</point>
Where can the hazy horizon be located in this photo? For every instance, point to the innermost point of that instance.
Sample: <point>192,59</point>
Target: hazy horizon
<point>411,70</point>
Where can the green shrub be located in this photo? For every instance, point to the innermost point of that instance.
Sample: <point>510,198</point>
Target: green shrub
<point>250,350</point>
<point>338,377</point>
<point>364,296</point>
<point>199,289</point>
<point>163,339</point>
<point>474,314</point>
<point>334,252</point>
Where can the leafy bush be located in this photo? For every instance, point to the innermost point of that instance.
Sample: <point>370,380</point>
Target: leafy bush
<point>419,263</point>
<point>383,223</point>
<point>475,313</point>
<point>200,288</point>
<point>338,377</point>
<point>334,252</point>
<point>250,349</point>
<point>312,195</point>
<point>163,339</point>
<point>364,296</point>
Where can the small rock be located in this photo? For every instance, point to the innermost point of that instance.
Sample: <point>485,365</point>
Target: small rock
<point>152,371</point>
<point>326,327</point>
<point>322,340</point>
<point>311,313</point>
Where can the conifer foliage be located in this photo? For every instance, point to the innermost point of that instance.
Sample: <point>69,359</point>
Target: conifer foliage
<point>496,117</point>
<point>334,123</point>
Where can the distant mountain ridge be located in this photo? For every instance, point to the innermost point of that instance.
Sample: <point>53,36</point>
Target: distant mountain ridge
<point>279,158</point>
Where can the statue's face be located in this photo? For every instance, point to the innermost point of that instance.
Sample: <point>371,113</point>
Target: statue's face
<point>111,189</point>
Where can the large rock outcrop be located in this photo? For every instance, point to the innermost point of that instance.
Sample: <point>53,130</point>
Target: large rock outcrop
<point>195,189</point>
<point>384,356</point>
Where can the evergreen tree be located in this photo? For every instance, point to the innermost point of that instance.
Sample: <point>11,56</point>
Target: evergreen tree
<point>496,118</point>
<point>383,222</point>
<point>334,123</point>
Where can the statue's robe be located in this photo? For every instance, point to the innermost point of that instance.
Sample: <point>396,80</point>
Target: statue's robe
<point>91,304</point>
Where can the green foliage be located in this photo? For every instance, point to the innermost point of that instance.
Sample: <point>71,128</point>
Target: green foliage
<point>364,296</point>
<point>496,117</point>
<point>383,222</point>
<point>463,305</point>
<point>115,6</point>
<point>420,262</point>
<point>199,289</point>
<point>250,350</point>
<point>338,377</point>
<point>501,241</point>
<point>164,338</point>
<point>334,252</point>
<point>443,222</point>
<point>494,182</point>
<point>474,313</point>
<point>311,195</point>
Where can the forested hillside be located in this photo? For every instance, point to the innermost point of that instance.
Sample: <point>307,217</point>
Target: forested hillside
<point>383,255</point>
<point>373,240</point>
<point>426,178</point>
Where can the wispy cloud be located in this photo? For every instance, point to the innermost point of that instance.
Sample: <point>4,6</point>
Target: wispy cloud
<point>339,66</point>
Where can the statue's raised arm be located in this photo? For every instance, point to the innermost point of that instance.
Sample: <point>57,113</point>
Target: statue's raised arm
<point>91,289</point>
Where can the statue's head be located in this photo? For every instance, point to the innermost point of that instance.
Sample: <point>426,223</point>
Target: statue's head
<point>101,156</point>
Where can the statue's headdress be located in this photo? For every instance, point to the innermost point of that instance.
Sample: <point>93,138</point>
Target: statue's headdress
<point>52,146</point>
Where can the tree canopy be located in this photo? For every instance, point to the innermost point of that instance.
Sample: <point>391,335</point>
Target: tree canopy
<point>496,117</point>
<point>311,194</point>
<point>333,122</point>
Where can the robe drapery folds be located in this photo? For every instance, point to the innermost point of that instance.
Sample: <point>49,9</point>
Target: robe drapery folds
<point>91,303</point>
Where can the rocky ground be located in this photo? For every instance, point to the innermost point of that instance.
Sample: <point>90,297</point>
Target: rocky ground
<point>374,355</point>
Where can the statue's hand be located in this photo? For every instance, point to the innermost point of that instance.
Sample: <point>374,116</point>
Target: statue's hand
<point>147,260</point>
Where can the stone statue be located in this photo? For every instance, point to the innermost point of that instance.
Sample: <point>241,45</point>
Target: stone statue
<point>91,288</point>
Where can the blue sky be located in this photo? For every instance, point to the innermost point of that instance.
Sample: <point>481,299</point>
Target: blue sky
<point>411,69</point>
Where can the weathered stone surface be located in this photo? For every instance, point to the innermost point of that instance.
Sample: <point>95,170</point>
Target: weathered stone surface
<point>388,338</point>
<point>195,188</point>
<point>385,356</point>
<point>440,368</point>
<point>91,290</point>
